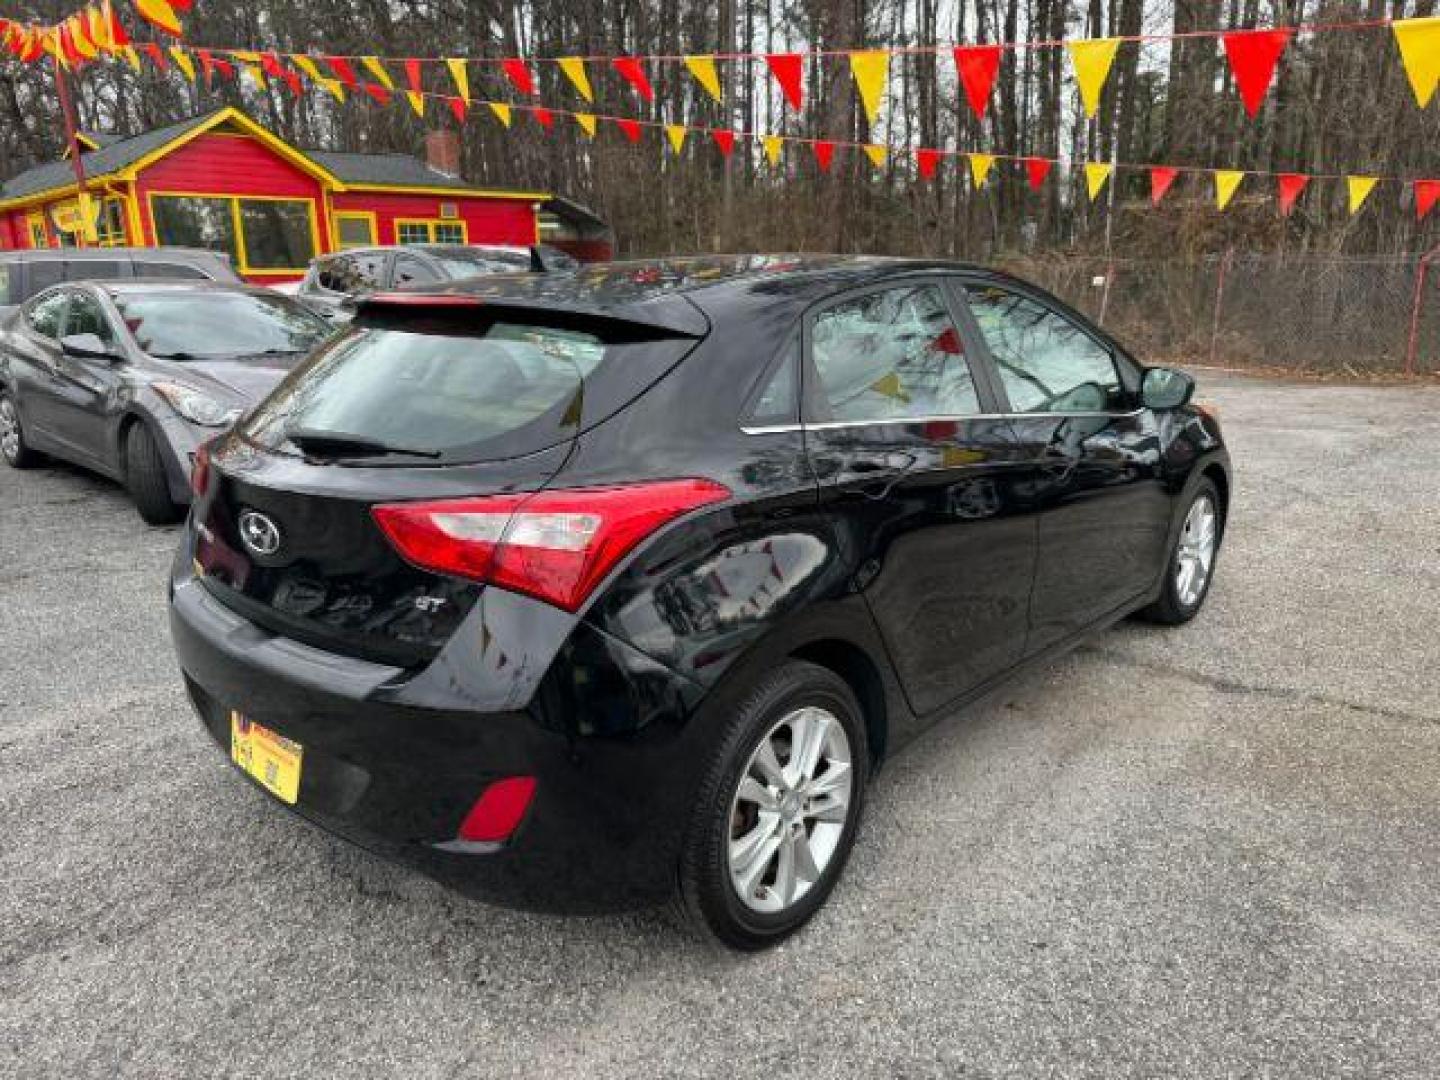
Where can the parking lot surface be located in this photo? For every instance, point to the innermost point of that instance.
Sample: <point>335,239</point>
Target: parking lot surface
<point>1205,852</point>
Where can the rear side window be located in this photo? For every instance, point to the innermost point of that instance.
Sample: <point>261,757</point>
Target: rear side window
<point>892,355</point>
<point>170,271</point>
<point>453,396</point>
<point>411,271</point>
<point>351,274</point>
<point>94,270</point>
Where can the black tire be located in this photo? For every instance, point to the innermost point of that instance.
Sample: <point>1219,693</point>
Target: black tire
<point>145,478</point>
<point>708,898</point>
<point>16,453</point>
<point>1171,609</point>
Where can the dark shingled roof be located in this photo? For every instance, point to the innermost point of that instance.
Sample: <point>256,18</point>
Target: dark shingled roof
<point>108,159</point>
<point>400,170</point>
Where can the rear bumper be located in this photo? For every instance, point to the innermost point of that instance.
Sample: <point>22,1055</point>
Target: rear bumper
<point>393,760</point>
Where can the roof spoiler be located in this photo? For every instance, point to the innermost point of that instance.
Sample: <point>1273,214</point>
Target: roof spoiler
<point>627,322</point>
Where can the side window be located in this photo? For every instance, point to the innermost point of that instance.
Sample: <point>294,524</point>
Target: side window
<point>171,271</point>
<point>411,271</point>
<point>891,355</point>
<point>46,314</point>
<point>87,317</point>
<point>1046,362</point>
<point>94,270</point>
<point>777,401</point>
<point>350,274</point>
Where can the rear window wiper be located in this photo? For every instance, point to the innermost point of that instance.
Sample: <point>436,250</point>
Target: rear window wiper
<point>341,444</point>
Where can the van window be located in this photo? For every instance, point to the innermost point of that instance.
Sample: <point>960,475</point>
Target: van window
<point>45,273</point>
<point>170,271</point>
<point>94,270</point>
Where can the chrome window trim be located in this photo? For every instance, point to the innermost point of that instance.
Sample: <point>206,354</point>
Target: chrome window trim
<point>833,425</point>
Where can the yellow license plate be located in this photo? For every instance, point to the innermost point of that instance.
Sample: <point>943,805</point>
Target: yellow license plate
<point>271,759</point>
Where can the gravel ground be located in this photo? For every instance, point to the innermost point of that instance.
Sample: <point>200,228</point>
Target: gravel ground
<point>1205,852</point>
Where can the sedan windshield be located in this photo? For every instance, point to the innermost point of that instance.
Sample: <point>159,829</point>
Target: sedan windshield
<point>207,325</point>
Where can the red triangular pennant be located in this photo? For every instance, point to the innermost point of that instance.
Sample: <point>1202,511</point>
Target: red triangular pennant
<point>789,72</point>
<point>343,71</point>
<point>518,72</point>
<point>156,54</point>
<point>631,128</point>
<point>544,117</point>
<point>1426,192</point>
<point>928,161</point>
<point>378,93</point>
<point>633,72</point>
<point>725,140</point>
<point>1253,55</point>
<point>413,76</point>
<point>1291,185</point>
<point>270,64</point>
<point>978,64</point>
<point>824,153</point>
<point>1161,177</point>
<point>458,107</point>
<point>1036,170</point>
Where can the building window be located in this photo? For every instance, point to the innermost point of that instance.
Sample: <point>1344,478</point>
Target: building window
<point>355,230</point>
<point>110,226</point>
<point>430,232</point>
<point>261,235</point>
<point>39,237</point>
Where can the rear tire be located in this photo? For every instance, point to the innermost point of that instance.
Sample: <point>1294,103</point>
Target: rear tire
<point>12,437</point>
<point>1197,547</point>
<point>778,808</point>
<point>145,478</point>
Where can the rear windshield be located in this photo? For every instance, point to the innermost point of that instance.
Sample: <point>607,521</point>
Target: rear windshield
<point>506,389</point>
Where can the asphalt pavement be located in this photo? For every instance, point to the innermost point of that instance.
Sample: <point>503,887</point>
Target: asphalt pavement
<point>1209,852</point>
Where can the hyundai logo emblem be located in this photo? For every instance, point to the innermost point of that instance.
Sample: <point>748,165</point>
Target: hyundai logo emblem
<point>259,533</point>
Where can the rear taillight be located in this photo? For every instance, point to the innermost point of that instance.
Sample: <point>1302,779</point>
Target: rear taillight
<point>554,545</point>
<point>200,470</point>
<point>499,810</point>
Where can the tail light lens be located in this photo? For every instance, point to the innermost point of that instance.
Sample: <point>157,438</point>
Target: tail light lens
<point>200,470</point>
<point>554,545</point>
<point>499,810</point>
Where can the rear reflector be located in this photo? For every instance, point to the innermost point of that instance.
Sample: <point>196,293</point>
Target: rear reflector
<point>499,810</point>
<point>553,545</point>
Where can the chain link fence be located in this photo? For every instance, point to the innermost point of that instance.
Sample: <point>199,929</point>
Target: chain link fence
<point>1344,316</point>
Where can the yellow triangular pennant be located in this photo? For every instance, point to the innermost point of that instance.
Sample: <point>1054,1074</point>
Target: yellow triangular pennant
<point>980,166</point>
<point>1226,181</point>
<point>306,65</point>
<point>877,155</point>
<point>1359,188</point>
<point>1092,59</point>
<point>501,111</point>
<point>1095,176</point>
<point>417,101</point>
<point>132,57</point>
<point>703,68</point>
<point>1419,41</point>
<point>373,65</point>
<point>461,74</point>
<point>183,62</point>
<point>889,386</point>
<point>676,134</point>
<point>586,122</point>
<point>773,144</point>
<point>250,61</point>
<point>870,69</point>
<point>334,87</point>
<point>574,69</point>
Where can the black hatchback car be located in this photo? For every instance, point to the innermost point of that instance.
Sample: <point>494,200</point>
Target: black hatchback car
<point>585,591</point>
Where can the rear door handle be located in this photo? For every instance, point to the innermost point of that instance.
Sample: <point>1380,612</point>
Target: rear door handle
<point>895,461</point>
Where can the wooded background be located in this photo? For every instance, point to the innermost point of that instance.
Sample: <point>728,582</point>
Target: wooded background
<point>1340,104</point>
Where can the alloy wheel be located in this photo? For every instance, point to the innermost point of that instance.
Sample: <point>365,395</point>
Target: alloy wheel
<point>9,430</point>
<point>789,813</point>
<point>1197,551</point>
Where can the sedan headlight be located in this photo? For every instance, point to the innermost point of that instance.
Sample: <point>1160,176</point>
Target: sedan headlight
<point>196,406</point>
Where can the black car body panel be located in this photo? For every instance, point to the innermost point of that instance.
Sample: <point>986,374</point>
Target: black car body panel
<point>923,559</point>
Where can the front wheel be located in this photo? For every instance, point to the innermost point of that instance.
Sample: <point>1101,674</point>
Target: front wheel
<point>12,437</point>
<point>778,809</point>
<point>145,479</point>
<point>1192,562</point>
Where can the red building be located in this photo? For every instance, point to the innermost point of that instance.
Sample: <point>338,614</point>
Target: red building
<point>222,181</point>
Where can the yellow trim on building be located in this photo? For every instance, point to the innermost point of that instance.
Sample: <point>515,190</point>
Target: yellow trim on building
<point>444,192</point>
<point>370,217</point>
<point>39,230</point>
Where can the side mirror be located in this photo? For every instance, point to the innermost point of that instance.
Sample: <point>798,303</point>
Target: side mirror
<point>1166,388</point>
<point>87,347</point>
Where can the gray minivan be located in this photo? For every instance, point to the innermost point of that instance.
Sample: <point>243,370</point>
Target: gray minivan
<point>23,274</point>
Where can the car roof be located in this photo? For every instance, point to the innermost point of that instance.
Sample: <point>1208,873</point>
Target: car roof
<point>161,285</point>
<point>670,293</point>
<point>160,254</point>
